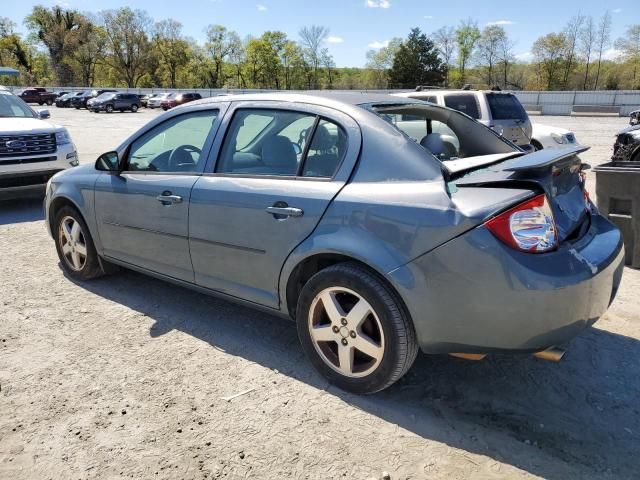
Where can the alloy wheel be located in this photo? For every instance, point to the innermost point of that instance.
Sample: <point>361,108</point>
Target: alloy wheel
<point>72,243</point>
<point>346,332</point>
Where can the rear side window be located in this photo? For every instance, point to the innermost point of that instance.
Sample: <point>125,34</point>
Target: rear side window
<point>463,102</point>
<point>505,106</point>
<point>281,142</point>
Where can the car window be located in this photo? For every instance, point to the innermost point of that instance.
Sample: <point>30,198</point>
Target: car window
<point>265,142</point>
<point>11,106</point>
<point>253,123</point>
<point>463,102</point>
<point>173,146</point>
<point>505,106</point>
<point>326,150</point>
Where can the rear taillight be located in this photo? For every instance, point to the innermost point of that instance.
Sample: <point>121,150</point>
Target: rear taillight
<point>528,227</point>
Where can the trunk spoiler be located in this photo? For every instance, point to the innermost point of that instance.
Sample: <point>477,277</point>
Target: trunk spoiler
<point>503,167</point>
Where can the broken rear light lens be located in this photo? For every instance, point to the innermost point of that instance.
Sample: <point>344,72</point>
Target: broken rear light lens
<point>528,227</point>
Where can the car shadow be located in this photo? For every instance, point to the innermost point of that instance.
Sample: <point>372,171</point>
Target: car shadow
<point>21,210</point>
<point>516,409</point>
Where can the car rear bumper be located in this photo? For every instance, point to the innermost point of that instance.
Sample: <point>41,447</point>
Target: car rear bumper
<point>476,295</point>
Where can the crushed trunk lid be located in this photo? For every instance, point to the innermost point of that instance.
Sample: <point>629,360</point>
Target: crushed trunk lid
<point>555,172</point>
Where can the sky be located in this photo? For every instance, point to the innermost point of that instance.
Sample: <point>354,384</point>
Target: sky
<point>358,25</point>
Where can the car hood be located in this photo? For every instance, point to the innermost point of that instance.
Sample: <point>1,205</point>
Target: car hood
<point>12,125</point>
<point>635,130</point>
<point>540,129</point>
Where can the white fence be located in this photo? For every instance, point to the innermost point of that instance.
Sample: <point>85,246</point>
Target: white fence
<point>548,103</point>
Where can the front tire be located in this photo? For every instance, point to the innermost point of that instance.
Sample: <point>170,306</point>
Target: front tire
<point>354,329</point>
<point>134,108</point>
<point>77,253</point>
<point>108,109</point>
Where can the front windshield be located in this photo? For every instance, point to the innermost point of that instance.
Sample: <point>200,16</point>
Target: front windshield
<point>12,106</point>
<point>446,134</point>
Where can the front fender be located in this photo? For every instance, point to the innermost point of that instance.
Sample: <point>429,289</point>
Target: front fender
<point>79,192</point>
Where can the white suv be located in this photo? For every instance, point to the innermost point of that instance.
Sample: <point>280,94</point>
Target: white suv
<point>501,111</point>
<point>31,150</point>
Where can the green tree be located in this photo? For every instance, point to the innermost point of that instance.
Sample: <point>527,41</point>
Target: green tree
<point>489,50</point>
<point>172,47</point>
<point>128,44</point>
<point>467,36</point>
<point>90,52</point>
<point>630,47</point>
<point>61,32</point>
<point>549,51</point>
<point>380,62</point>
<point>416,62</point>
<point>445,39</point>
<point>311,39</point>
<point>220,44</point>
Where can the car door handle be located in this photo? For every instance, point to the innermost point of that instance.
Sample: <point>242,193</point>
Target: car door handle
<point>168,199</point>
<point>285,211</point>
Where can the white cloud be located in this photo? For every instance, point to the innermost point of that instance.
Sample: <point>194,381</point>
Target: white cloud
<point>501,22</point>
<point>611,54</point>
<point>617,10</point>
<point>524,56</point>
<point>428,17</point>
<point>261,8</point>
<point>334,39</point>
<point>378,3</point>
<point>378,45</point>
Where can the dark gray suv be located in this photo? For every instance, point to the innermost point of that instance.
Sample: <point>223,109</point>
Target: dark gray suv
<point>108,102</point>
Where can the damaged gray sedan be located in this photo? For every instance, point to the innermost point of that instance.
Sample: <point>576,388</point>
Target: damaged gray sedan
<point>380,225</point>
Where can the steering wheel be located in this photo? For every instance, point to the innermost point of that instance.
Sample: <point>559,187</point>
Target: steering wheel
<point>181,158</point>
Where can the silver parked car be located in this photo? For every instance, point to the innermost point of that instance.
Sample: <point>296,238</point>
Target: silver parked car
<point>32,149</point>
<point>381,225</point>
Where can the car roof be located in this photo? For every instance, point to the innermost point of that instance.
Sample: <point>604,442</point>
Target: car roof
<point>323,98</point>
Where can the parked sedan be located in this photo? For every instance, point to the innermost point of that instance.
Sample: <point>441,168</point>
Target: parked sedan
<point>379,224</point>
<point>109,102</point>
<point>156,100</point>
<point>174,100</point>
<point>64,101</point>
<point>546,136</point>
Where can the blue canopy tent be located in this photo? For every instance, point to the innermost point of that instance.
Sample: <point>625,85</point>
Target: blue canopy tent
<point>9,71</point>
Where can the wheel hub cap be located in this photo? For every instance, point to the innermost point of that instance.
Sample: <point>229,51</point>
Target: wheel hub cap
<point>346,332</point>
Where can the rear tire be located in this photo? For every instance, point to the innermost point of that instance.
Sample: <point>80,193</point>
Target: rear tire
<point>49,102</point>
<point>364,340</point>
<point>76,251</point>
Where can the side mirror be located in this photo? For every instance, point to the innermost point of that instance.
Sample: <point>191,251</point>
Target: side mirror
<point>108,162</point>
<point>43,114</point>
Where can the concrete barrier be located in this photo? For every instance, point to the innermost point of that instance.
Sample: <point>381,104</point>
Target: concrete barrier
<point>595,111</point>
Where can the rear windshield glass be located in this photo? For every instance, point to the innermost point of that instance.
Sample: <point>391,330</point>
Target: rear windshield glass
<point>463,102</point>
<point>445,134</point>
<point>505,106</point>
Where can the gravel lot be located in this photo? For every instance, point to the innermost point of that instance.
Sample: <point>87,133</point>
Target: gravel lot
<point>125,377</point>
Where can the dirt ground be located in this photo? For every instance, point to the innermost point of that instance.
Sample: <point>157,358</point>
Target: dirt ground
<point>126,377</point>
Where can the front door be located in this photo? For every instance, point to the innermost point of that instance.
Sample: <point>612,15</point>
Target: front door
<point>274,178</point>
<point>142,213</point>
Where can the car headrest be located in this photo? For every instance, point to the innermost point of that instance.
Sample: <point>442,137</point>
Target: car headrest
<point>434,143</point>
<point>278,151</point>
<point>323,140</point>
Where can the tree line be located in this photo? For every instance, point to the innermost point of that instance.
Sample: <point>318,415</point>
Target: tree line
<point>126,47</point>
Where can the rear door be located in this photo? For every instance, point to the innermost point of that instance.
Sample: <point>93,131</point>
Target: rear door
<point>142,213</point>
<point>277,170</point>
